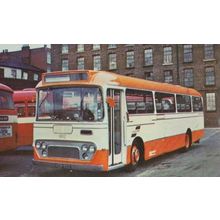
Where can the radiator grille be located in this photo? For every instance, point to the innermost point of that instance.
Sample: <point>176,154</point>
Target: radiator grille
<point>67,152</point>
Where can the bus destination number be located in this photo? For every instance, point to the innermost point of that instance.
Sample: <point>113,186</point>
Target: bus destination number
<point>5,131</point>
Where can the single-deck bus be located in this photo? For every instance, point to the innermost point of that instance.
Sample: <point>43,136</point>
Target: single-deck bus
<point>8,119</point>
<point>24,101</point>
<point>97,120</point>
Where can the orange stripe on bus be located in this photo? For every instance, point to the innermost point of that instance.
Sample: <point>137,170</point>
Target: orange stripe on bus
<point>161,146</point>
<point>100,158</point>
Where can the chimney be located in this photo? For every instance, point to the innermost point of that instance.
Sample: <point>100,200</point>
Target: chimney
<point>26,54</point>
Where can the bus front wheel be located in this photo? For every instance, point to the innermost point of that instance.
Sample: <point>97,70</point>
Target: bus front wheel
<point>135,158</point>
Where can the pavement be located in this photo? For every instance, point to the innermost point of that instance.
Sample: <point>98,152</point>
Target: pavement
<point>201,160</point>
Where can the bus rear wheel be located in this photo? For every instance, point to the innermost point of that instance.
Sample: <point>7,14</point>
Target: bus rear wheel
<point>135,158</point>
<point>188,141</point>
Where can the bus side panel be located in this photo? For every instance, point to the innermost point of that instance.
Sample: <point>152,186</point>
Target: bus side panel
<point>9,143</point>
<point>25,131</point>
<point>197,135</point>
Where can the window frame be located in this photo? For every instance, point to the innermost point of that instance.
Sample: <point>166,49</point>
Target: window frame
<point>188,53</point>
<point>77,62</point>
<point>109,63</point>
<point>132,60</point>
<point>171,75</point>
<point>205,52</point>
<point>136,91</point>
<point>149,57</point>
<point>214,76</point>
<point>215,98</point>
<point>166,55</point>
<point>62,65</point>
<point>165,112</point>
<point>184,82</point>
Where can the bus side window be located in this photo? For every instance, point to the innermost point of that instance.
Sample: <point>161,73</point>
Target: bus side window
<point>31,111</point>
<point>197,104</point>
<point>20,109</point>
<point>183,103</point>
<point>139,101</point>
<point>165,102</point>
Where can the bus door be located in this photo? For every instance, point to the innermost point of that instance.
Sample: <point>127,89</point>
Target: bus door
<point>115,111</point>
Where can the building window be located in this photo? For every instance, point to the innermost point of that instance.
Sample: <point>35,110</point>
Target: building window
<point>112,61</point>
<point>80,63</point>
<point>209,76</point>
<point>210,102</point>
<point>18,74</point>
<point>25,76</point>
<point>168,76</point>
<point>97,62</point>
<point>80,47</point>
<point>96,47</point>
<point>130,59</point>
<point>35,77</point>
<point>187,53</point>
<point>148,57</point>
<point>188,79</point>
<point>167,55</point>
<point>65,48</point>
<point>65,64</point>
<point>13,73</point>
<point>149,76</point>
<point>209,51</point>
<point>48,57</point>
<point>112,46</point>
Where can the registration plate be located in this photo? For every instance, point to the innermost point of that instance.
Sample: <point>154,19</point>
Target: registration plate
<point>5,131</point>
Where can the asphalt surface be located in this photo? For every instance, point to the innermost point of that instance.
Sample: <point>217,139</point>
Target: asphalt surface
<point>202,160</point>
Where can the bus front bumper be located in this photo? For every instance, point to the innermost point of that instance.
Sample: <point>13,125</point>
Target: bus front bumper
<point>82,167</point>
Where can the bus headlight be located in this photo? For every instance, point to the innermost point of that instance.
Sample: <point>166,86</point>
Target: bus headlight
<point>92,149</point>
<point>84,148</point>
<point>38,145</point>
<point>44,146</point>
<point>85,156</point>
<point>44,153</point>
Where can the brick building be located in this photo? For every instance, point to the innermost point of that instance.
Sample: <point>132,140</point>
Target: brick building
<point>22,69</point>
<point>196,66</point>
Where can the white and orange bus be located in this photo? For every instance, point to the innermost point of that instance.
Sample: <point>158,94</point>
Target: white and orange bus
<point>8,119</point>
<point>25,101</point>
<point>97,120</point>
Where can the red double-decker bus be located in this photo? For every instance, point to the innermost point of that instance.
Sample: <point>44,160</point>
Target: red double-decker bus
<point>8,119</point>
<point>24,101</point>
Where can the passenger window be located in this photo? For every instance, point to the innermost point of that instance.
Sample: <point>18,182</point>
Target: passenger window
<point>197,104</point>
<point>139,102</point>
<point>165,102</point>
<point>31,110</point>
<point>20,107</point>
<point>183,103</point>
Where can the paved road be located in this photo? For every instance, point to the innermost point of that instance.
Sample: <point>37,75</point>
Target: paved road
<point>202,159</point>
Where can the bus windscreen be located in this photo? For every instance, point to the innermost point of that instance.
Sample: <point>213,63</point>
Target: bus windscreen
<point>70,104</point>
